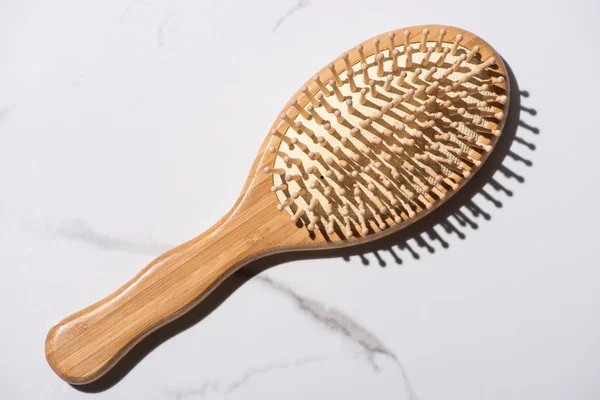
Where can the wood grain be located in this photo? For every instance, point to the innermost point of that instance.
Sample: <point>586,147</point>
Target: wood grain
<point>84,346</point>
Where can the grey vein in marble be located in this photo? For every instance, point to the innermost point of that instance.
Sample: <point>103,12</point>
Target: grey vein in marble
<point>131,5</point>
<point>201,391</point>
<point>160,31</point>
<point>165,15</point>
<point>338,322</point>
<point>78,230</point>
<point>3,112</point>
<point>254,371</point>
<point>299,4</point>
<point>216,385</point>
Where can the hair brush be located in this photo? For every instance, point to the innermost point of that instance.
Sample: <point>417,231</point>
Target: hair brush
<point>373,142</point>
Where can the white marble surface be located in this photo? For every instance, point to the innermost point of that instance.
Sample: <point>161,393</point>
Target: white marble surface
<point>117,120</point>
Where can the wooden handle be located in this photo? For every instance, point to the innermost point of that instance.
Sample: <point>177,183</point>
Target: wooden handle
<point>84,346</point>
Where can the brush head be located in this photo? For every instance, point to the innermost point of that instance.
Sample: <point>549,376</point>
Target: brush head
<point>388,131</point>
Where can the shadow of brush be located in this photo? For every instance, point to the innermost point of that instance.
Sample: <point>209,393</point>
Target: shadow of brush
<point>423,232</point>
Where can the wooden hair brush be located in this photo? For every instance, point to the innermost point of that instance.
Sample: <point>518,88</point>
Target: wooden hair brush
<point>372,143</point>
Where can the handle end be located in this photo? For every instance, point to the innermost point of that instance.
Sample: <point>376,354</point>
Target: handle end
<point>62,354</point>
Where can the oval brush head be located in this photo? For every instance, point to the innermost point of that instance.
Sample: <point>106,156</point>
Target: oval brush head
<point>373,142</point>
<point>388,130</point>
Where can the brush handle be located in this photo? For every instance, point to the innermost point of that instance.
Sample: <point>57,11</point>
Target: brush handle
<point>84,346</point>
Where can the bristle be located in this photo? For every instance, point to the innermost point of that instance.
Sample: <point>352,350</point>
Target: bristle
<point>349,106</point>
<point>427,56</point>
<point>433,88</point>
<point>397,218</point>
<point>297,214</point>
<point>365,72</point>
<point>415,76</point>
<point>323,102</point>
<point>313,221</point>
<point>279,171</point>
<point>338,94</point>
<point>300,128</point>
<point>442,58</point>
<point>429,74</point>
<point>419,92</point>
<point>322,86</point>
<point>387,107</point>
<point>400,81</point>
<point>379,60</point>
<point>295,177</point>
<point>275,188</point>
<point>408,95</point>
<point>283,138</point>
<point>503,99</point>
<point>351,82</point>
<point>388,83</point>
<point>314,114</point>
<point>330,130</point>
<point>487,63</point>
<point>361,54</point>
<point>301,110</point>
<point>395,55</point>
<point>338,116</point>
<point>363,95</point>
<point>299,193</point>
<point>458,62</point>
<point>286,203</point>
<point>357,156</point>
<point>409,51</point>
<point>310,97</point>
<point>373,88</point>
<point>472,53</point>
<point>331,226</point>
<point>284,117</point>
<point>440,41</point>
<point>423,45</point>
<point>391,44</point>
<point>457,41</point>
<point>346,59</point>
<point>289,160</point>
<point>365,123</point>
<point>335,75</point>
<point>376,42</point>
